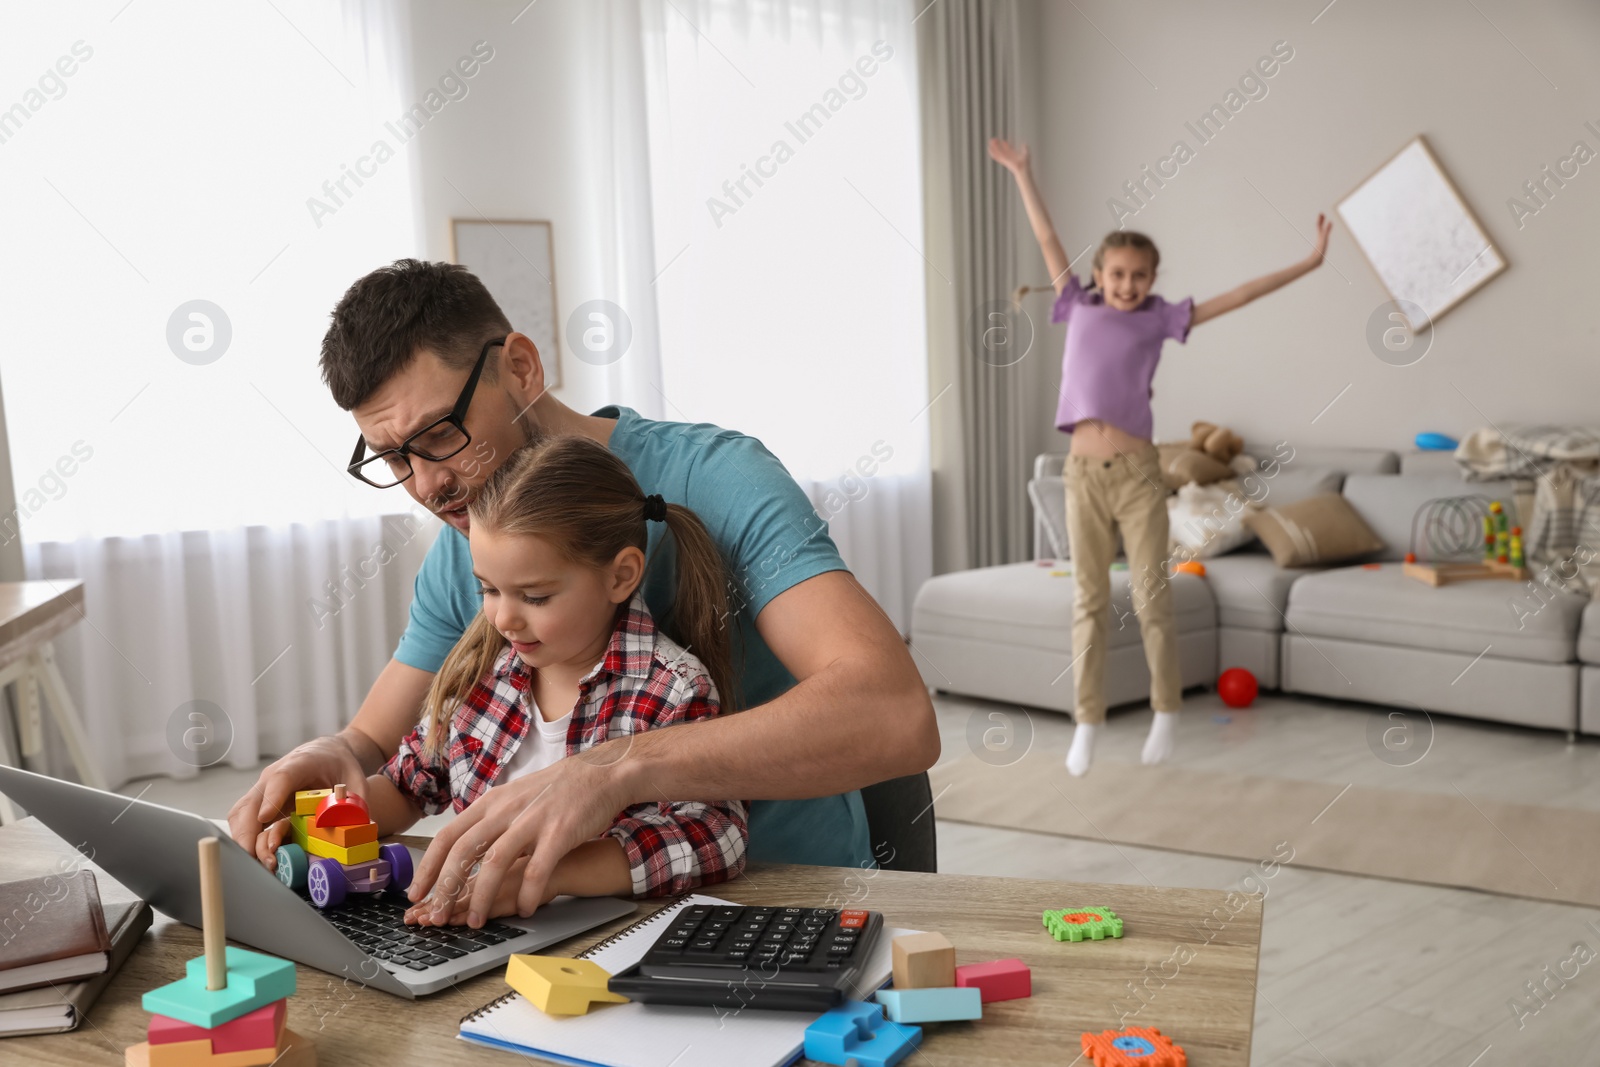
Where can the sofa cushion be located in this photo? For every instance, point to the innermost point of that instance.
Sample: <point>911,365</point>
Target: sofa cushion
<point>1251,591</point>
<point>1320,529</point>
<point>1289,484</point>
<point>1378,604</point>
<point>1390,502</point>
<point>1049,497</point>
<point>1430,463</point>
<point>1344,460</point>
<point>1024,604</point>
<point>1589,632</point>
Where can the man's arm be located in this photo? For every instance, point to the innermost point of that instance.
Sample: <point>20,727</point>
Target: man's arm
<point>1259,287</point>
<point>859,714</point>
<point>388,713</point>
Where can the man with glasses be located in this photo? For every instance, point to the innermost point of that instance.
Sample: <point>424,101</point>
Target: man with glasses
<point>443,390</point>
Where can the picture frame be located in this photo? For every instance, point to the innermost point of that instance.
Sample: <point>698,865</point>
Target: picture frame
<point>515,260</point>
<point>1419,235</point>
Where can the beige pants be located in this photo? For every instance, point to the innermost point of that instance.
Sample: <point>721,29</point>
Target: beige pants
<point>1103,496</point>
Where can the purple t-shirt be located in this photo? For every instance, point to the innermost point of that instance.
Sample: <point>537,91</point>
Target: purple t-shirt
<point>1111,357</point>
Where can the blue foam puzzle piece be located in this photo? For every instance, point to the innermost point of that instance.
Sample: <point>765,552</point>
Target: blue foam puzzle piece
<point>254,981</point>
<point>856,1033</point>
<point>940,1005</point>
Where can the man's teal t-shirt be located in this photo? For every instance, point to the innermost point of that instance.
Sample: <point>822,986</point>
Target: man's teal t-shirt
<point>771,539</point>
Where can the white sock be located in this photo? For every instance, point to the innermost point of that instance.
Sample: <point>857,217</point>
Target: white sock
<point>1158,746</point>
<point>1082,750</point>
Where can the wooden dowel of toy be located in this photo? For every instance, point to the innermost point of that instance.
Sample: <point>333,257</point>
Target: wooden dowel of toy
<point>213,926</point>
<point>338,793</point>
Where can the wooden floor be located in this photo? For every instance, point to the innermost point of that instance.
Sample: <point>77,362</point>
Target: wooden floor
<point>1354,971</point>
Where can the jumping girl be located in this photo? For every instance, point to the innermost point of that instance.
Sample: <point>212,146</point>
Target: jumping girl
<point>1115,331</point>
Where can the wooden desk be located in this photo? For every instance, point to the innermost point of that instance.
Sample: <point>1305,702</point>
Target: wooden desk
<point>1207,1004</point>
<point>31,613</point>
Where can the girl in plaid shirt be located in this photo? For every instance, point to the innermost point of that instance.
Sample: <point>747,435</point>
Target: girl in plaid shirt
<point>566,655</point>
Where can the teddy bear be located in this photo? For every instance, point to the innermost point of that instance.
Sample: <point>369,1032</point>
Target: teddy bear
<point>1218,442</point>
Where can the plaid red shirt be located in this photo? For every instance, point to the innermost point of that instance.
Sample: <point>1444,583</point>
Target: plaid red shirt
<point>645,680</point>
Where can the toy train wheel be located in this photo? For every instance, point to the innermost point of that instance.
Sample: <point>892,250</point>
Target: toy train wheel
<point>292,865</point>
<point>399,858</point>
<point>327,882</point>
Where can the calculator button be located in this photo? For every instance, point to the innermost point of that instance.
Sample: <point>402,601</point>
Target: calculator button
<point>789,958</point>
<point>852,920</point>
<point>697,913</point>
<point>794,911</point>
<point>714,926</point>
<point>726,914</point>
<point>761,914</point>
<point>783,927</point>
<point>823,914</point>
<point>776,937</point>
<point>672,944</point>
<point>737,954</point>
<point>840,950</point>
<point>683,931</point>
<point>702,944</point>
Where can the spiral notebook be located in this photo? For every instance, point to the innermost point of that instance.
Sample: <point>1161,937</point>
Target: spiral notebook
<point>655,1035</point>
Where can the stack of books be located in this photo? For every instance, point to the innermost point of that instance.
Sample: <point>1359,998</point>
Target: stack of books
<point>59,948</point>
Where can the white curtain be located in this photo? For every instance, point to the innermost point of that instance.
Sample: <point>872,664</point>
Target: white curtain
<point>784,163</point>
<point>198,488</point>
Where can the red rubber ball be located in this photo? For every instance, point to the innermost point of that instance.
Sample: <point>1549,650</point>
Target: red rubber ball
<point>1237,687</point>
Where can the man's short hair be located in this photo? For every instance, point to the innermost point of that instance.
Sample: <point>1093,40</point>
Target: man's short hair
<point>387,317</point>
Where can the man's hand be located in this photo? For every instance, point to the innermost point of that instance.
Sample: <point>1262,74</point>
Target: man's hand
<point>542,816</point>
<point>317,764</point>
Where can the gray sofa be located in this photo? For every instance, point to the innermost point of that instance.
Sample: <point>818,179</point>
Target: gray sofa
<point>1363,631</point>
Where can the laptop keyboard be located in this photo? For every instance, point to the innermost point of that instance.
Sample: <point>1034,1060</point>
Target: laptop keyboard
<point>377,927</point>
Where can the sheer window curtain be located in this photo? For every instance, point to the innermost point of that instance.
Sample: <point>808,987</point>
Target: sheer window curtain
<point>242,592</point>
<point>784,159</point>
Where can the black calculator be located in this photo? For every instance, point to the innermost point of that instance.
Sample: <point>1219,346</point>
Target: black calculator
<point>797,959</point>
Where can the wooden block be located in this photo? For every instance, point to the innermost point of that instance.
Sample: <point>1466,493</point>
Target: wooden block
<point>254,981</point>
<point>557,985</point>
<point>924,961</point>
<point>300,827</point>
<point>306,801</point>
<point>931,1005</point>
<point>997,979</point>
<point>368,877</point>
<point>341,809</point>
<point>199,1054</point>
<point>856,1033</point>
<point>344,836</point>
<point>261,1028</point>
<point>294,1050</point>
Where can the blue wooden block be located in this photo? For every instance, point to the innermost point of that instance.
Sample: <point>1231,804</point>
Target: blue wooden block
<point>254,981</point>
<point>931,1005</point>
<point>856,1033</point>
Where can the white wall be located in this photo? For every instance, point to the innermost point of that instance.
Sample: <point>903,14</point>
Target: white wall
<point>1364,79</point>
<point>523,144</point>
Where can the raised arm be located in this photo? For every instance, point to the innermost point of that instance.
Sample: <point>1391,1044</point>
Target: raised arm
<point>1259,287</point>
<point>1015,159</point>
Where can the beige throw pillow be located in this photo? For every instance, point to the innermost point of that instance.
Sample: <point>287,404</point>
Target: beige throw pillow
<point>1319,529</point>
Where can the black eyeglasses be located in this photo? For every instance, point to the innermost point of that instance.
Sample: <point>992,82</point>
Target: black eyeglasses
<point>436,441</point>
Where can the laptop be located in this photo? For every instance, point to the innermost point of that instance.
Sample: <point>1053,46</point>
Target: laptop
<point>151,849</point>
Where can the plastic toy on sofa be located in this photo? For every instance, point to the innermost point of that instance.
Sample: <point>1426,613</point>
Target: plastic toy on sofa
<point>335,850</point>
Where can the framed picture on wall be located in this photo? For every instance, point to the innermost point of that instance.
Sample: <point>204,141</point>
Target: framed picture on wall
<point>1422,240</point>
<point>515,259</point>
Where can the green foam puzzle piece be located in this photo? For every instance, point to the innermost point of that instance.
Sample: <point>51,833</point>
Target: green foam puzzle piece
<point>931,1005</point>
<point>254,981</point>
<point>1106,924</point>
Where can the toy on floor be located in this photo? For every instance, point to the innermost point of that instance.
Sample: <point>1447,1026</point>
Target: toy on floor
<point>557,985</point>
<point>1191,566</point>
<point>1237,687</point>
<point>230,1008</point>
<point>857,1033</point>
<point>1082,924</point>
<point>1448,529</point>
<point>1137,1046</point>
<point>950,1004</point>
<point>345,857</point>
<point>997,979</point>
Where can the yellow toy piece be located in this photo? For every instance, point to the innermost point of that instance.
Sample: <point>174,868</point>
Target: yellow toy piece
<point>306,801</point>
<point>316,846</point>
<point>560,986</point>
